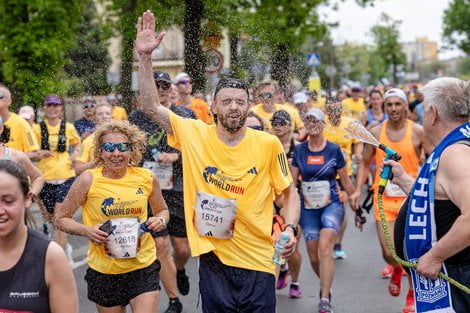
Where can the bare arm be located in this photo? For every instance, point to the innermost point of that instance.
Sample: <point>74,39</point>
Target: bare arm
<point>291,205</point>
<point>160,211</point>
<point>452,181</point>
<point>63,296</point>
<point>37,180</point>
<point>400,177</point>
<point>346,181</point>
<point>80,166</point>
<point>145,43</point>
<point>63,217</point>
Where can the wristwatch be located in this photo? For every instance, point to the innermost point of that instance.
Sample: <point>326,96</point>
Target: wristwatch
<point>295,229</point>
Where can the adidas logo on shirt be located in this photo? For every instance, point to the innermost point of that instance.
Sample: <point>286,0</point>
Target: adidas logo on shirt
<point>209,234</point>
<point>139,191</point>
<point>253,171</point>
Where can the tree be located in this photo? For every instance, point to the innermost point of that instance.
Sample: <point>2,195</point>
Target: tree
<point>34,36</point>
<point>387,46</point>
<point>457,25</point>
<point>89,59</point>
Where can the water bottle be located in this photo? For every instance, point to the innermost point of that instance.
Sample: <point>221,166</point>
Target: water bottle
<point>143,229</point>
<point>155,154</point>
<point>279,247</point>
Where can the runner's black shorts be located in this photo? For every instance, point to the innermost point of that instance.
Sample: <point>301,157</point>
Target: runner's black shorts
<point>52,193</point>
<point>109,290</point>
<point>176,228</point>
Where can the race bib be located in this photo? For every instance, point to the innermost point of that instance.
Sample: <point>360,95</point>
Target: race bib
<point>123,240</point>
<point>163,171</point>
<point>317,194</point>
<point>215,216</point>
<point>393,191</point>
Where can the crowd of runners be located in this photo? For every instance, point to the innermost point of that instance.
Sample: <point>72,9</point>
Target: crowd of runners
<point>219,180</point>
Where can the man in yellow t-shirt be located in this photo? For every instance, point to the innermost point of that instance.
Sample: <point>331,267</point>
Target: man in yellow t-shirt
<point>267,107</point>
<point>119,113</point>
<point>21,135</point>
<point>354,105</point>
<point>231,175</point>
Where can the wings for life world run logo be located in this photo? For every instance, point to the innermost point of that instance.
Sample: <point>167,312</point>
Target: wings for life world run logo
<point>110,206</point>
<point>213,176</point>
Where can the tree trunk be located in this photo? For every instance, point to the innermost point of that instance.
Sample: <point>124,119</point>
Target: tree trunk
<point>280,65</point>
<point>394,68</point>
<point>233,51</point>
<point>194,61</point>
<point>127,48</point>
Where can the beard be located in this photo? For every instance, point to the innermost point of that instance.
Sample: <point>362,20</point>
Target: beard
<point>233,121</point>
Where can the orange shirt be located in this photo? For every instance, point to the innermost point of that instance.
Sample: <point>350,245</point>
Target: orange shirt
<point>201,109</point>
<point>409,161</point>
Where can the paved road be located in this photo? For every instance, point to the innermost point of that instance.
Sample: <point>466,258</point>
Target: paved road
<point>357,286</point>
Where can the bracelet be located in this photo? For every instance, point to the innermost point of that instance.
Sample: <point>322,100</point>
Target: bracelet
<point>163,221</point>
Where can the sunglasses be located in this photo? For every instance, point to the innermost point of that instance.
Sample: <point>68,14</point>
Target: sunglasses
<point>276,124</point>
<point>111,147</point>
<point>256,127</point>
<point>52,105</point>
<point>163,85</point>
<point>88,106</point>
<point>267,95</point>
<point>185,82</point>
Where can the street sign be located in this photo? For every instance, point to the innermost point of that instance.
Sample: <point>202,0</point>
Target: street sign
<point>313,59</point>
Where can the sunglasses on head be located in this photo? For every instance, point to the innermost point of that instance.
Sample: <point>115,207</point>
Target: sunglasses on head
<point>163,85</point>
<point>111,147</point>
<point>256,127</point>
<point>52,104</point>
<point>185,82</point>
<point>267,95</point>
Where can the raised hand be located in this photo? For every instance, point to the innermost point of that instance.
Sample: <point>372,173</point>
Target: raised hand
<point>146,41</point>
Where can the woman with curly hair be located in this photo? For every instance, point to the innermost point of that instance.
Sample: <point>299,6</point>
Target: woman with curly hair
<point>114,196</point>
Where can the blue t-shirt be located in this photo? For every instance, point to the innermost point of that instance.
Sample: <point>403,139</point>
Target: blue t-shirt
<point>83,125</point>
<point>321,165</point>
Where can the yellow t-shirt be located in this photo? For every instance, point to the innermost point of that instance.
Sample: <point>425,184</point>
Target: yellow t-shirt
<point>119,113</point>
<point>250,173</point>
<point>59,164</point>
<point>266,116</point>
<point>353,108</point>
<point>87,149</point>
<point>21,134</point>
<point>117,198</point>
<point>336,135</point>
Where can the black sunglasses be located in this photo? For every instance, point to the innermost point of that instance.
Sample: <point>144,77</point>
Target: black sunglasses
<point>111,147</point>
<point>163,85</point>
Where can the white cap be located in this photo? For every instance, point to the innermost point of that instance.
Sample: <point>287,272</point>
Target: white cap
<point>395,92</point>
<point>180,76</point>
<point>26,112</point>
<point>299,98</point>
<point>316,113</point>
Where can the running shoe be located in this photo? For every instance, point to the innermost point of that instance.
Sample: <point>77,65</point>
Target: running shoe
<point>294,291</point>
<point>175,306</point>
<point>410,303</point>
<point>182,281</point>
<point>329,295</point>
<point>394,285</point>
<point>339,254</point>
<point>324,307</point>
<point>282,280</point>
<point>387,272</point>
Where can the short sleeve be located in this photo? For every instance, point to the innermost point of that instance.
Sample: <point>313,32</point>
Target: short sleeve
<point>295,161</point>
<point>340,157</point>
<point>279,170</point>
<point>182,129</point>
<point>74,138</point>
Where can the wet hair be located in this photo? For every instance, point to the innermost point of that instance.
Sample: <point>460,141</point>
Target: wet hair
<point>231,83</point>
<point>5,136</point>
<point>134,135</point>
<point>260,120</point>
<point>450,96</point>
<point>14,169</point>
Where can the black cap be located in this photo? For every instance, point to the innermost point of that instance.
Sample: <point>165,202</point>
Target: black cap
<point>231,83</point>
<point>355,89</point>
<point>281,117</point>
<point>162,77</point>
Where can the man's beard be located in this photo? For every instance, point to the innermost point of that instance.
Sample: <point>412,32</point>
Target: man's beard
<point>233,127</point>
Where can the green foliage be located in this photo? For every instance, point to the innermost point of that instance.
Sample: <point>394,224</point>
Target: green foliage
<point>89,59</point>
<point>387,46</point>
<point>34,34</point>
<point>457,25</point>
<point>463,68</point>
